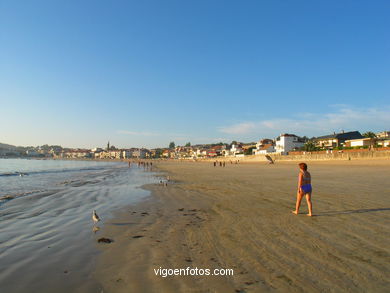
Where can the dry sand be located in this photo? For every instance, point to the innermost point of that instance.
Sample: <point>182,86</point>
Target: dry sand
<point>240,217</point>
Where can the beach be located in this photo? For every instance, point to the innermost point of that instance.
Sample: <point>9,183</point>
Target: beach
<point>239,217</point>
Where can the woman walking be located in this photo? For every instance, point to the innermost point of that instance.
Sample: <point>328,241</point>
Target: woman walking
<point>304,188</point>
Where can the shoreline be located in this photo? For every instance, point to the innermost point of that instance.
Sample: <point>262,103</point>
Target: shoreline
<point>239,218</point>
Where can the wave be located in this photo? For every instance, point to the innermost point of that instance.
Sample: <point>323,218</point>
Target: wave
<point>8,197</point>
<point>14,174</point>
<point>17,173</point>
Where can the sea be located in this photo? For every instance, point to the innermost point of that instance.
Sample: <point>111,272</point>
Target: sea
<point>47,238</point>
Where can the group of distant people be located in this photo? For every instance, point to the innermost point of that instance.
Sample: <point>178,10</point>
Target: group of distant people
<point>223,163</point>
<point>146,165</point>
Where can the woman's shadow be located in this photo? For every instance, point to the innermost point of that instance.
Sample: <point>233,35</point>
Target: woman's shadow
<point>333,213</point>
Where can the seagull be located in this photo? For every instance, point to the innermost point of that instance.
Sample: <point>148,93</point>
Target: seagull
<point>95,217</point>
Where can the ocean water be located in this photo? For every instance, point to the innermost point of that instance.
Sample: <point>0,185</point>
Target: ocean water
<point>46,239</point>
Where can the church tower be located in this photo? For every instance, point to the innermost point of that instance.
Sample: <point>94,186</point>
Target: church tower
<point>108,146</point>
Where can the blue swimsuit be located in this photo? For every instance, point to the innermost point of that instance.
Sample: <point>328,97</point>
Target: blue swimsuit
<point>306,188</point>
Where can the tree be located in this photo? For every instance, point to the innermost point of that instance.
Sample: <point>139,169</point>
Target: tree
<point>309,146</point>
<point>158,153</point>
<point>305,138</point>
<point>188,144</point>
<point>45,147</point>
<point>249,151</point>
<point>369,134</point>
<point>234,142</point>
<point>172,145</point>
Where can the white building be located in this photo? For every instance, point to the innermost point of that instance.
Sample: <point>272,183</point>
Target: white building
<point>264,149</point>
<point>32,153</point>
<point>236,149</point>
<point>288,142</point>
<point>96,150</point>
<point>226,152</point>
<point>384,143</point>
<point>360,142</point>
<point>126,154</point>
<point>141,153</point>
<point>383,134</point>
<point>264,146</point>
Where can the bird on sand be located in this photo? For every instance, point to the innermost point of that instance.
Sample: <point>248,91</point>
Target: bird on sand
<point>95,217</point>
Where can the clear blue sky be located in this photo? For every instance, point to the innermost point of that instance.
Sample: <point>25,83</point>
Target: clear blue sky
<point>144,73</point>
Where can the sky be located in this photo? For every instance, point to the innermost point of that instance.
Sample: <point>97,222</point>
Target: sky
<point>144,73</point>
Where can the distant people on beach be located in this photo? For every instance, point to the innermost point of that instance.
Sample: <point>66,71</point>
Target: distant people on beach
<point>304,188</point>
<point>215,163</point>
<point>224,164</point>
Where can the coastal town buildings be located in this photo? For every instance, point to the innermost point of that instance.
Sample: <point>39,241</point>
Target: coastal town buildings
<point>140,153</point>
<point>127,154</point>
<point>184,152</point>
<point>264,149</point>
<point>226,152</point>
<point>383,135</point>
<point>32,153</point>
<point>383,138</point>
<point>166,154</point>
<point>96,150</point>
<point>76,154</point>
<point>201,153</point>
<point>211,153</point>
<point>248,148</point>
<point>264,146</point>
<point>383,143</point>
<point>360,142</point>
<point>117,154</point>
<point>9,153</point>
<point>335,140</point>
<point>285,143</point>
<point>218,149</point>
<point>236,150</point>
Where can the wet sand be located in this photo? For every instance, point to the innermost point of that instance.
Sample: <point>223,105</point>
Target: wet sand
<point>240,217</point>
<point>47,241</point>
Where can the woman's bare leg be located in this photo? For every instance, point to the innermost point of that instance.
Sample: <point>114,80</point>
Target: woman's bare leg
<point>309,204</point>
<point>298,203</point>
